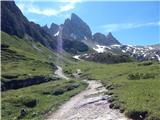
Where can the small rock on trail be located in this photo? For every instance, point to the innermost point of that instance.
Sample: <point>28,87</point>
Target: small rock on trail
<point>90,104</point>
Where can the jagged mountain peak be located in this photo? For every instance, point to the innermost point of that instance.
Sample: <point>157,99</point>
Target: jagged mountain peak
<point>52,30</point>
<point>75,17</point>
<point>53,25</point>
<point>110,34</point>
<point>76,28</point>
<point>111,39</point>
<point>101,39</point>
<point>45,27</point>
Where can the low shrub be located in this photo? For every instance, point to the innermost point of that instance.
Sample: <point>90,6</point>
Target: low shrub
<point>148,75</point>
<point>146,63</point>
<point>58,91</point>
<point>28,101</point>
<point>72,86</point>
<point>46,93</point>
<point>23,113</point>
<point>137,76</point>
<point>137,115</point>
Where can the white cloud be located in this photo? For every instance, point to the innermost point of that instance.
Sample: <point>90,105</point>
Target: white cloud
<point>63,7</point>
<point>123,26</point>
<point>21,6</point>
<point>67,7</point>
<point>37,10</point>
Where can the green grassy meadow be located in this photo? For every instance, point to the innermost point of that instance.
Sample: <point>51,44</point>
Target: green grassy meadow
<point>134,87</point>
<point>130,96</point>
<point>43,95</point>
<point>22,59</point>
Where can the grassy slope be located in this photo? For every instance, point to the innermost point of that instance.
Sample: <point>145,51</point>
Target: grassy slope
<point>23,60</point>
<point>14,100</point>
<point>26,58</point>
<point>133,95</point>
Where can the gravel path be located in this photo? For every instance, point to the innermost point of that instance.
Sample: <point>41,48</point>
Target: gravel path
<point>59,73</point>
<point>91,104</point>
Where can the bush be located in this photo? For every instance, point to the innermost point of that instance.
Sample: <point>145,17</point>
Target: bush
<point>58,91</point>
<point>147,63</point>
<point>137,115</point>
<point>46,93</point>
<point>148,75</point>
<point>137,76</point>
<point>28,101</point>
<point>72,86</point>
<point>109,58</point>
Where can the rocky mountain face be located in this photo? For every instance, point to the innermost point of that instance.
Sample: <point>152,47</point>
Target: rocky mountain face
<point>52,30</point>
<point>111,39</point>
<point>101,39</point>
<point>15,23</point>
<point>73,29</point>
<point>140,53</point>
<point>108,58</point>
<point>76,29</point>
<point>74,46</point>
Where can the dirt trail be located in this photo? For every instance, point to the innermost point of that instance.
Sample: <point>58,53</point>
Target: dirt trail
<point>91,104</point>
<point>59,73</point>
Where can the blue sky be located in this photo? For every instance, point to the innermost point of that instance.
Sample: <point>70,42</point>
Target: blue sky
<point>136,23</point>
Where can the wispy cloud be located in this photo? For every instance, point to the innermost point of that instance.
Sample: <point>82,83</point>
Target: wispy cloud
<point>31,8</point>
<point>123,26</point>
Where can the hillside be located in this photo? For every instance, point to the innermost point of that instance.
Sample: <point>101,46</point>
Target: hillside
<point>26,64</point>
<point>26,60</point>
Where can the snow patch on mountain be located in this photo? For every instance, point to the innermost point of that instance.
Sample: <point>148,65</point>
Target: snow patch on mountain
<point>138,52</point>
<point>57,33</point>
<point>115,45</point>
<point>158,57</point>
<point>100,48</point>
<point>76,57</point>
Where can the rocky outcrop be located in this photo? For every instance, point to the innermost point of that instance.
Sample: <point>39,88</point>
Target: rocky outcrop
<point>111,39</point>
<point>108,58</point>
<point>74,47</point>
<point>52,30</point>
<point>101,39</point>
<point>15,84</point>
